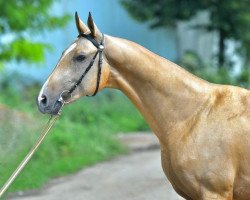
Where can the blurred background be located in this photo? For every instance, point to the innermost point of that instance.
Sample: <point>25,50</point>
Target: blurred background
<point>210,38</point>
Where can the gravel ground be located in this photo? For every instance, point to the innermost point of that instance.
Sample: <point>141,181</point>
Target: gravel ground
<point>136,176</point>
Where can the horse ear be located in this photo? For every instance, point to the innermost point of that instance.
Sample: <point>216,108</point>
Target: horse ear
<point>81,27</point>
<point>92,27</point>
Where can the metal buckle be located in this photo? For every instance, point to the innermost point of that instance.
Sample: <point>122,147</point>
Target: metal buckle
<point>101,47</point>
<point>62,100</point>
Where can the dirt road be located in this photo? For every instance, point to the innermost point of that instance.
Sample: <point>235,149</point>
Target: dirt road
<point>137,176</point>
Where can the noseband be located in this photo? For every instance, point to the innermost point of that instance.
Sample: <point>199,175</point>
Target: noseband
<point>99,51</point>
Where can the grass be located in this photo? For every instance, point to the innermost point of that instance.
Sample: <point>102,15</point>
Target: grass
<point>83,136</point>
<point>64,151</point>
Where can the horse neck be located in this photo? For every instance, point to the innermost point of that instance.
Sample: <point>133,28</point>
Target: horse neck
<point>163,92</point>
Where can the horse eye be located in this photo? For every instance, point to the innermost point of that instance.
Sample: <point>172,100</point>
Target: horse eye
<point>80,58</point>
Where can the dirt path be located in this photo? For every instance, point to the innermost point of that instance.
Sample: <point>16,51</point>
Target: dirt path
<point>137,176</point>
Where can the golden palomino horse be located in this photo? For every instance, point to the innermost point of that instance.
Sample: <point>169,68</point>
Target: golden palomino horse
<point>203,128</point>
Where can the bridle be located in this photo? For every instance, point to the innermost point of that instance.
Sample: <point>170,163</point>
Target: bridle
<point>100,48</point>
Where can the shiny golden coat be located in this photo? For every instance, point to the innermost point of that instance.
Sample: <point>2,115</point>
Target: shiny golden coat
<point>203,128</point>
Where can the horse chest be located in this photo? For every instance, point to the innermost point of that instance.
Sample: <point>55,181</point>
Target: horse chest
<point>179,174</point>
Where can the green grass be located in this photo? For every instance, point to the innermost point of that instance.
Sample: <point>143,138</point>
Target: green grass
<point>84,135</point>
<point>64,151</point>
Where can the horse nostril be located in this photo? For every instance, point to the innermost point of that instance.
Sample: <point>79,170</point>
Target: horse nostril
<point>43,100</point>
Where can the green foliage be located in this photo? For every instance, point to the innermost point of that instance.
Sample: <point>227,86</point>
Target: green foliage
<point>194,64</point>
<point>23,50</point>
<point>243,78</point>
<point>83,135</point>
<point>231,19</point>
<point>191,61</point>
<point>20,21</point>
<point>220,76</point>
<point>162,13</point>
<point>69,147</point>
<point>104,111</point>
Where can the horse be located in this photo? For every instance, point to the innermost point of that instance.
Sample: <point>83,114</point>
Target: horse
<point>203,128</point>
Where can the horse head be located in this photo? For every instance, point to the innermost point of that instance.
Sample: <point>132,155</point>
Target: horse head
<point>82,70</point>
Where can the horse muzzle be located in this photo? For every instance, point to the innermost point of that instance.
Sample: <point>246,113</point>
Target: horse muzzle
<point>47,107</point>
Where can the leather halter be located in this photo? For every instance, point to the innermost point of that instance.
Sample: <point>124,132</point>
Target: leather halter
<point>100,48</point>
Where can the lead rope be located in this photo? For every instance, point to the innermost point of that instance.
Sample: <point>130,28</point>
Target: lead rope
<point>51,122</point>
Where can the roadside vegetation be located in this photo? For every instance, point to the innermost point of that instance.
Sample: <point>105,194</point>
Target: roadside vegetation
<point>84,134</point>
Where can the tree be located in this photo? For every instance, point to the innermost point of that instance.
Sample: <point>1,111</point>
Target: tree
<point>20,20</point>
<point>230,19</point>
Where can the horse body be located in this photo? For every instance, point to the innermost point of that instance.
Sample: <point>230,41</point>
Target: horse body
<point>208,155</point>
<point>202,128</point>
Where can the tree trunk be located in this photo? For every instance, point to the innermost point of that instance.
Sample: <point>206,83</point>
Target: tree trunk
<point>221,53</point>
